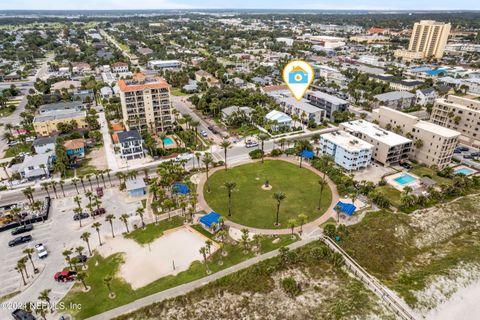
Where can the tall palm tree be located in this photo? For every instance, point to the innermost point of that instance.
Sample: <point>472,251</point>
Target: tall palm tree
<point>61,183</point>
<point>162,137</point>
<point>207,160</point>
<point>203,252</point>
<point>109,218</point>
<point>230,185</point>
<point>292,223</point>
<point>96,173</point>
<point>89,178</point>
<point>86,237</point>
<point>81,276</point>
<point>67,253</point>
<point>140,211</point>
<point>302,219</point>
<point>45,187</point>
<point>75,181</point>
<point>28,192</point>
<point>262,137</point>
<point>78,211</point>
<point>96,226</point>
<point>108,176</point>
<point>83,183</point>
<point>338,210</point>
<point>225,145</point>
<point>29,252</point>
<point>102,176</point>
<point>322,183</point>
<point>54,187</point>
<point>23,262</point>
<point>108,282</point>
<point>79,251</point>
<point>279,197</point>
<point>124,219</point>
<point>19,269</point>
<point>198,155</point>
<point>45,296</point>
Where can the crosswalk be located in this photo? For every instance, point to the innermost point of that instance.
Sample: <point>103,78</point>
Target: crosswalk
<point>11,279</point>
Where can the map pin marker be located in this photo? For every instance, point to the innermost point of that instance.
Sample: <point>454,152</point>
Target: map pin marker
<point>298,75</point>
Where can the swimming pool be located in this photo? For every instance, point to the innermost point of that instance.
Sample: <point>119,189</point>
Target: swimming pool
<point>404,179</point>
<point>168,141</point>
<point>464,171</point>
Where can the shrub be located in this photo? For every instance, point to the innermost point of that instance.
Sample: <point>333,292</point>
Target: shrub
<point>291,287</point>
<point>276,152</point>
<point>255,154</point>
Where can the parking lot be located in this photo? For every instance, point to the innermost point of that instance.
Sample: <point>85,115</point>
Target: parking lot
<point>59,233</point>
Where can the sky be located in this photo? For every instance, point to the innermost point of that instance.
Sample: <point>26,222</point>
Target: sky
<point>247,4</point>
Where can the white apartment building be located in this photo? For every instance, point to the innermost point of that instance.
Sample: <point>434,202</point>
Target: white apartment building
<point>460,114</point>
<point>164,64</point>
<point>433,144</point>
<point>146,103</point>
<point>348,151</point>
<point>390,147</point>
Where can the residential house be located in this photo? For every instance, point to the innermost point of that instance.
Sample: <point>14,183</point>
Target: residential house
<point>191,86</point>
<point>44,144</point>
<point>204,75</point>
<point>164,64</point>
<point>106,92</point>
<point>235,110</point>
<point>130,145</point>
<point>120,67</point>
<point>426,96</point>
<point>35,166</point>
<point>279,120</point>
<point>136,187</point>
<point>75,148</point>
<point>86,96</point>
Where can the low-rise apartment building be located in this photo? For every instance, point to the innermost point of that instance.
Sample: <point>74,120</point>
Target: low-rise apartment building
<point>130,145</point>
<point>396,100</point>
<point>146,104</point>
<point>390,147</point>
<point>433,144</point>
<point>327,102</point>
<point>460,114</point>
<point>348,151</point>
<point>50,115</point>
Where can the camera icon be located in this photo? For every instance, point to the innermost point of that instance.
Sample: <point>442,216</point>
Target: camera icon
<point>298,76</point>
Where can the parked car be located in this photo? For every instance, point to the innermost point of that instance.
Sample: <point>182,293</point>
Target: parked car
<point>251,144</point>
<point>64,276</point>
<point>19,240</point>
<point>462,148</point>
<point>22,229</point>
<point>203,133</point>
<point>41,250</point>
<point>12,143</point>
<point>98,211</point>
<point>184,156</point>
<point>82,258</point>
<point>100,191</point>
<point>80,216</point>
<point>20,314</point>
<point>406,165</point>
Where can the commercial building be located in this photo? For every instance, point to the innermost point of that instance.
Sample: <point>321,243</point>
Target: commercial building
<point>328,41</point>
<point>428,40</point>
<point>460,114</point>
<point>164,64</point>
<point>146,103</point>
<point>390,147</point>
<point>347,150</point>
<point>327,102</point>
<point>396,99</point>
<point>433,144</point>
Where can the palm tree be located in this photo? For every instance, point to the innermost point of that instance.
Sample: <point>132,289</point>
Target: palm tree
<point>96,226</point>
<point>28,192</point>
<point>222,235</point>
<point>208,245</point>
<point>292,223</point>
<point>203,252</point>
<point>45,187</point>
<point>81,276</point>
<point>109,218</point>
<point>225,145</point>
<point>86,237</point>
<point>302,219</point>
<point>19,269</point>
<point>67,253</point>
<point>89,178</point>
<point>207,160</point>
<point>83,184</point>
<point>61,183</point>
<point>198,155</point>
<point>124,219</point>
<point>279,197</point>
<point>108,282</point>
<point>108,176</point>
<point>230,185</point>
<point>101,173</point>
<point>262,137</point>
<point>338,209</point>
<point>54,184</point>
<point>322,183</point>
<point>78,211</point>
<point>23,262</point>
<point>45,296</point>
<point>75,181</point>
<point>140,211</point>
<point>29,252</point>
<point>162,137</point>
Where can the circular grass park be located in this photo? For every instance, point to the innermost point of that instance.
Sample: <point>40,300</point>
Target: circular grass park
<point>252,199</point>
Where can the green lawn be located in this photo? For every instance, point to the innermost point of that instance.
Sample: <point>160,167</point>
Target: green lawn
<point>100,267</point>
<point>392,194</point>
<point>201,230</point>
<point>13,151</point>
<point>177,92</point>
<point>252,206</point>
<point>424,171</point>
<point>153,231</point>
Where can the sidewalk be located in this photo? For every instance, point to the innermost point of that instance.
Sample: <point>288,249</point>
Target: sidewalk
<point>187,287</point>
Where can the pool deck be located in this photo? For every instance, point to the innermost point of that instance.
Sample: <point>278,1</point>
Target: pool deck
<point>460,167</point>
<point>415,184</point>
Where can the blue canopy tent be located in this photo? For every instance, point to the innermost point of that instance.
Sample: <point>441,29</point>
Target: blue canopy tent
<point>209,219</point>
<point>307,154</point>
<point>181,188</point>
<point>347,208</point>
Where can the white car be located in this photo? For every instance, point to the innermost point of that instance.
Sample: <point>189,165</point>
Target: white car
<point>41,250</point>
<point>184,156</point>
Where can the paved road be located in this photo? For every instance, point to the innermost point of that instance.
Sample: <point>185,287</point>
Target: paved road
<point>185,288</point>
<point>107,141</point>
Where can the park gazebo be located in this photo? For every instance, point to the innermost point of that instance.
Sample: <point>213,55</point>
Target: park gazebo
<point>211,222</point>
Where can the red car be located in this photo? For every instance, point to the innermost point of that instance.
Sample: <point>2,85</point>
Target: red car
<point>100,192</point>
<point>64,276</point>
<point>98,212</point>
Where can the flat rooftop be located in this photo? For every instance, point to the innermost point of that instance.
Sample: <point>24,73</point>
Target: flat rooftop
<point>347,141</point>
<point>303,104</point>
<point>375,132</point>
<point>436,129</point>
<point>327,97</point>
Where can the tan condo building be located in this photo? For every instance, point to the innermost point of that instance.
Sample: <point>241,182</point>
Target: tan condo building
<point>389,147</point>
<point>146,103</point>
<point>428,40</point>
<point>432,144</point>
<point>460,114</point>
